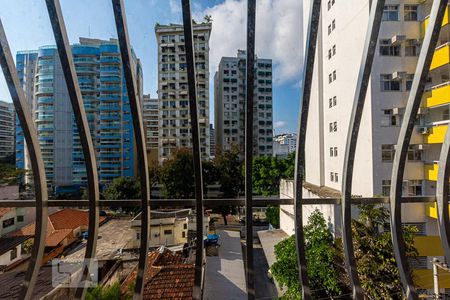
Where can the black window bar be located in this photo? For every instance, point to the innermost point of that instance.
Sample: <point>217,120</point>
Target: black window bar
<point>395,199</point>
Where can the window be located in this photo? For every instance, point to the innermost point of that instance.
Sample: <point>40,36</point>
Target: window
<point>335,151</point>
<point>336,178</point>
<point>331,127</point>
<point>409,81</point>
<point>446,114</point>
<point>420,226</point>
<point>138,235</point>
<point>13,254</point>
<point>387,152</point>
<point>8,222</point>
<point>330,78</point>
<point>331,176</point>
<point>167,232</point>
<point>184,226</point>
<point>389,84</point>
<point>334,75</point>
<point>412,188</point>
<point>387,49</point>
<point>386,187</point>
<point>329,4</point>
<point>335,126</point>
<point>183,234</point>
<point>329,29</point>
<point>334,50</point>
<point>329,54</point>
<point>390,13</point>
<point>331,152</point>
<point>411,47</point>
<point>388,119</point>
<point>333,25</point>
<point>418,262</point>
<point>414,153</point>
<point>20,218</point>
<point>331,102</point>
<point>334,101</point>
<point>410,12</point>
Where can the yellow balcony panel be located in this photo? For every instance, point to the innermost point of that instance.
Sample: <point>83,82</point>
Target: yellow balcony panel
<point>428,245</point>
<point>431,172</point>
<point>435,134</point>
<point>438,95</point>
<point>423,278</point>
<point>441,57</point>
<point>425,22</point>
<point>431,210</point>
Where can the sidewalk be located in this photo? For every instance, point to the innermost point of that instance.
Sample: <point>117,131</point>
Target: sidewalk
<point>224,274</point>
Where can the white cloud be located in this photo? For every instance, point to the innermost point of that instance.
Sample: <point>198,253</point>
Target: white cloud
<point>278,34</point>
<point>279,124</point>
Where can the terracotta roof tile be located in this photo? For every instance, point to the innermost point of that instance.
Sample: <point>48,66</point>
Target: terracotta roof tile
<point>56,237</point>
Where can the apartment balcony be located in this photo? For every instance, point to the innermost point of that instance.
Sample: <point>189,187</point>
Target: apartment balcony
<point>431,171</point>
<point>437,95</point>
<point>441,56</point>
<point>434,134</point>
<point>425,22</point>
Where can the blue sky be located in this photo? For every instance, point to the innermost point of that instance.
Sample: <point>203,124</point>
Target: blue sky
<point>278,36</point>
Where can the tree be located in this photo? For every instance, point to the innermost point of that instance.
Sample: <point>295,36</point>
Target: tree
<point>207,18</point>
<point>111,292</point>
<point>273,216</point>
<point>124,188</point>
<point>321,254</point>
<point>177,175</point>
<point>374,253</point>
<point>9,174</point>
<point>267,172</point>
<point>229,176</point>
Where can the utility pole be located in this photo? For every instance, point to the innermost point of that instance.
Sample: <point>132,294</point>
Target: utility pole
<point>436,266</point>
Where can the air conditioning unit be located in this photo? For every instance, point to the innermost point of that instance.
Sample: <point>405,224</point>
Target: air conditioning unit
<point>398,75</point>
<point>397,39</point>
<point>424,130</point>
<point>422,147</point>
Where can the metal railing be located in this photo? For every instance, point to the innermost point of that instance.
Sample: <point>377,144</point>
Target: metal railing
<point>395,200</point>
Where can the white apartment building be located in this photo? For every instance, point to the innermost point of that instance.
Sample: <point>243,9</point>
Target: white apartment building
<point>150,114</point>
<point>283,144</point>
<point>229,104</point>
<point>342,32</point>
<point>175,128</point>
<point>212,140</point>
<point>7,129</point>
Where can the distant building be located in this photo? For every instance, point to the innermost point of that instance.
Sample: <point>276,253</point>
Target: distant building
<point>212,142</point>
<point>284,144</point>
<point>101,81</point>
<point>7,129</point>
<point>229,104</point>
<point>151,126</point>
<point>174,129</point>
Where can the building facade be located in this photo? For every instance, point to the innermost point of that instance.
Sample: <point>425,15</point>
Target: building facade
<point>283,144</point>
<point>99,70</point>
<point>175,128</point>
<point>7,129</point>
<point>151,125</point>
<point>212,140</point>
<point>229,104</point>
<point>338,55</point>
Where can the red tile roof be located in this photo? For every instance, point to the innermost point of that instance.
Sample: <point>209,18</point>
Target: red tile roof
<point>5,210</point>
<point>167,276</point>
<point>60,225</point>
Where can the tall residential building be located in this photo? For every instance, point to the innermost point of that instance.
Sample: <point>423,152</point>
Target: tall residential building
<point>338,55</point>
<point>151,125</point>
<point>212,140</point>
<point>7,129</point>
<point>229,104</point>
<point>283,144</point>
<point>175,128</point>
<point>99,69</point>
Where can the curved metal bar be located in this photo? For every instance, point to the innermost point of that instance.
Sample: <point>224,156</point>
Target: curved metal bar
<point>70,75</point>
<point>442,190</point>
<point>250,74</point>
<point>129,71</point>
<point>376,13</point>
<point>409,119</point>
<point>192,92</point>
<point>37,164</point>
<point>308,69</point>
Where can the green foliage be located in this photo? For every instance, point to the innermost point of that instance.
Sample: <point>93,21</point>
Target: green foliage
<point>27,246</point>
<point>177,175</point>
<point>111,292</point>
<point>123,188</point>
<point>374,253</point>
<point>321,255</point>
<point>273,216</point>
<point>9,175</point>
<point>268,171</point>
